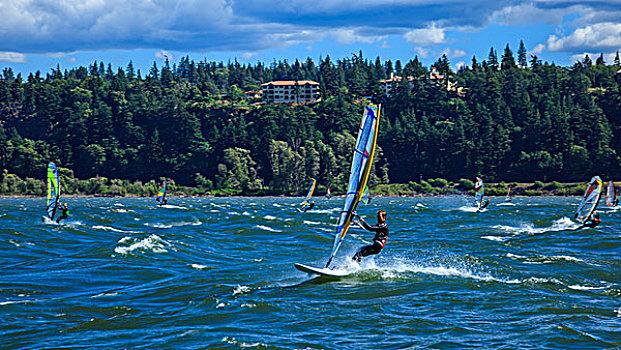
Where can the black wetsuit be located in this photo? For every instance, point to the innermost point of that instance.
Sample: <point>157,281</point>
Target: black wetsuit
<point>379,241</point>
<point>590,223</point>
<point>64,215</point>
<point>310,206</point>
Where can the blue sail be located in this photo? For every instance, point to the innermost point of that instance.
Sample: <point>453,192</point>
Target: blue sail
<point>359,174</point>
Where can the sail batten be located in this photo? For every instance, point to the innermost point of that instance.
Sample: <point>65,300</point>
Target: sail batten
<point>359,173</point>
<point>590,199</point>
<point>53,190</point>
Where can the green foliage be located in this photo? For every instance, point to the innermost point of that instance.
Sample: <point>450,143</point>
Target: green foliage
<point>538,185</point>
<point>465,184</point>
<point>507,121</point>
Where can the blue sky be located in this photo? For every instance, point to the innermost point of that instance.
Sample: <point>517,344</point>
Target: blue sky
<point>41,34</point>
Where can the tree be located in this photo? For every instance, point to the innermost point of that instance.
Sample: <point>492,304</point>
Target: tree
<point>508,62</point>
<point>522,55</point>
<point>492,59</point>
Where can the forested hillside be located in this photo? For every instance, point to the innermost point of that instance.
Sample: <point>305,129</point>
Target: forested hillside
<point>514,120</point>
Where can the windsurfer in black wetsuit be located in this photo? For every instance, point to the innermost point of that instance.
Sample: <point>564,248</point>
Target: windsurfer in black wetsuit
<point>310,206</point>
<point>379,241</point>
<point>64,214</point>
<point>591,221</point>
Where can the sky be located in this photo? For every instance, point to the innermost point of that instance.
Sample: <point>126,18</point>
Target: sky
<point>41,34</point>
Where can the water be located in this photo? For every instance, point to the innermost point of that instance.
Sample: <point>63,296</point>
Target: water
<point>218,273</point>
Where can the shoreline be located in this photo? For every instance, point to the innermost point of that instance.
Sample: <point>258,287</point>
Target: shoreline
<point>283,196</point>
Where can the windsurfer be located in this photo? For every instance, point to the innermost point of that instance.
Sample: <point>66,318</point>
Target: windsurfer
<point>484,205</point>
<point>310,206</point>
<point>379,241</point>
<point>64,214</point>
<point>591,222</point>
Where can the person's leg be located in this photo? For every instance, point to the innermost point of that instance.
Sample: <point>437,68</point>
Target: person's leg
<point>366,251</point>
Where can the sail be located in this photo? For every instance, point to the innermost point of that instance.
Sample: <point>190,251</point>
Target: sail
<point>590,199</point>
<point>161,193</point>
<point>479,192</point>
<point>329,193</point>
<point>610,194</point>
<point>359,174</point>
<point>508,197</point>
<point>309,194</point>
<point>366,198</point>
<point>53,190</point>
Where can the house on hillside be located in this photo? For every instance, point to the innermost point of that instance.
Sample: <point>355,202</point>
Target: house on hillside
<point>433,77</point>
<point>290,91</point>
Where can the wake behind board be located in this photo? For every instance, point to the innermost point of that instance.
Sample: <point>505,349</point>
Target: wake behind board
<point>321,272</point>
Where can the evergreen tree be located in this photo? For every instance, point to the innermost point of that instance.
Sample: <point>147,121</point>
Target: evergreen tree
<point>522,55</point>
<point>508,62</point>
<point>492,59</point>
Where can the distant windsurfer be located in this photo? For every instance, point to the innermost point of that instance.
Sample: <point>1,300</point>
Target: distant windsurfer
<point>379,241</point>
<point>310,206</point>
<point>64,212</point>
<point>591,222</point>
<point>484,204</point>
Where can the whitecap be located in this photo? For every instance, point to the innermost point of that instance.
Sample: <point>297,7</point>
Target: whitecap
<point>200,267</point>
<point>241,289</point>
<point>579,287</point>
<point>153,243</point>
<point>109,228</point>
<point>266,228</point>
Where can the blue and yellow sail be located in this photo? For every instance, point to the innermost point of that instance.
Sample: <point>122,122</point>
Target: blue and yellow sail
<point>309,194</point>
<point>53,190</point>
<point>359,174</point>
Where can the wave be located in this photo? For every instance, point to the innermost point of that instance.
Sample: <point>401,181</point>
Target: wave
<point>241,290</point>
<point>307,222</point>
<point>110,228</point>
<point>174,224</point>
<point>542,259</point>
<point>561,224</point>
<point>266,228</point>
<point>506,204</point>
<point>270,217</point>
<point>468,209</point>
<point>152,243</point>
<point>201,267</point>
<point>170,206</point>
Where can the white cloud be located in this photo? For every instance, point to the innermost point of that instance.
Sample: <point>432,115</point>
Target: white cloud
<point>455,53</point>
<point>530,13</point>
<point>14,57</point>
<point>348,36</point>
<point>385,45</point>
<point>537,49</point>
<point>71,59</point>
<point>249,55</point>
<point>163,54</point>
<point>421,51</point>
<point>425,36</point>
<point>597,36</point>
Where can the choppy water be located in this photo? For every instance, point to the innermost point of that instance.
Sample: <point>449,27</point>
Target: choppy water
<point>218,273</point>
